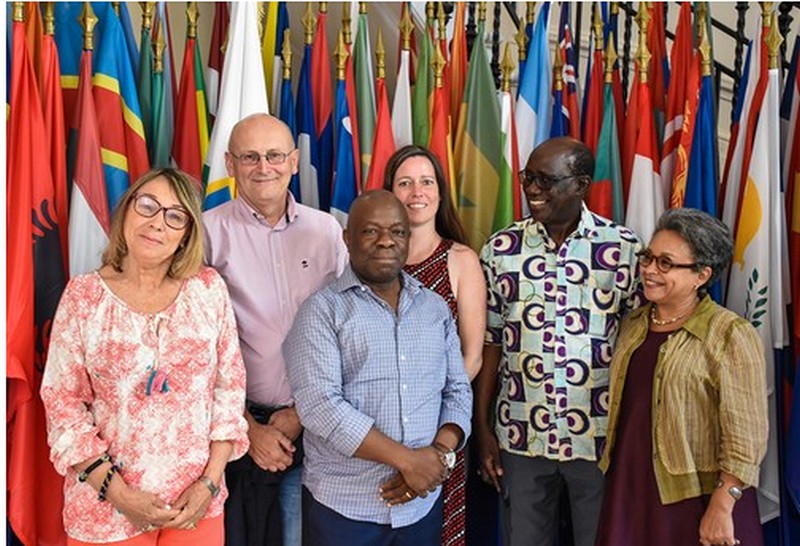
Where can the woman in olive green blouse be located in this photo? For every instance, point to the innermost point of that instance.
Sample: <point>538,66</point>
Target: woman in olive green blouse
<point>692,373</point>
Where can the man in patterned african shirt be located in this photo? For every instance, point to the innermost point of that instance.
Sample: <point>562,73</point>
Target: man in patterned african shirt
<point>559,283</point>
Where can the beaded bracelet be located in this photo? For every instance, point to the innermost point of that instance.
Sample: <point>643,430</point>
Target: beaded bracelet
<point>101,496</point>
<point>83,476</point>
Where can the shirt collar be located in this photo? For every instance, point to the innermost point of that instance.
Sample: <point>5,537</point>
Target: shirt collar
<point>349,280</point>
<point>251,214</point>
<point>587,225</point>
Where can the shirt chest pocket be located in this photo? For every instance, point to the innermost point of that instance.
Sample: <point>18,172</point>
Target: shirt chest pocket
<point>602,306</point>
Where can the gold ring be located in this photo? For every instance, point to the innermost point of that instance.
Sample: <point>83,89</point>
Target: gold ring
<point>192,526</point>
<point>408,495</point>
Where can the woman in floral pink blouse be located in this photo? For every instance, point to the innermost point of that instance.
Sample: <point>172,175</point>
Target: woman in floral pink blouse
<point>144,386</point>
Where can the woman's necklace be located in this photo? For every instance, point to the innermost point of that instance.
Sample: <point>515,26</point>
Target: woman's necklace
<point>664,322</point>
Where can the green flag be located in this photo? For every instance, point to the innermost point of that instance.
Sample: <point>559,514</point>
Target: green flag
<point>365,94</point>
<point>423,89</point>
<point>608,169</point>
<point>145,85</point>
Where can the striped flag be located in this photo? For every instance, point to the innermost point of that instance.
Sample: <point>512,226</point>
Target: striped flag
<point>345,184</point>
<point>659,68</point>
<point>323,109</point>
<point>122,137</point>
<point>277,23</point>
<point>479,150</point>
<point>242,93</point>
<point>677,195</point>
<point>646,198</point>
<point>757,282</point>
<point>630,136</point>
<point>306,136</point>
<point>608,168</point>
<point>191,143</point>
<point>569,73</point>
<point>533,106</point>
<point>365,94</point>
<point>69,43</point>
<point>507,208</point>
<point>383,146</point>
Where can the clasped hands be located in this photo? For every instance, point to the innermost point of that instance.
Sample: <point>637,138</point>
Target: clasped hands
<point>272,444</point>
<point>146,511</point>
<point>420,473</point>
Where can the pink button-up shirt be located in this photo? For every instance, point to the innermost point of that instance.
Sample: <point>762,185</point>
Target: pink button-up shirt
<point>102,354</point>
<point>270,271</point>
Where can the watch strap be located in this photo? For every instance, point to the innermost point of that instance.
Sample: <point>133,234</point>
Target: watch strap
<point>215,489</point>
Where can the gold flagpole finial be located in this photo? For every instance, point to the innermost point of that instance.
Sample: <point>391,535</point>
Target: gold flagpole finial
<point>348,36</point>
<point>558,66</point>
<point>481,12</point>
<point>521,37</point>
<point>380,56</point>
<point>774,41</point>
<point>614,8</point>
<point>430,12</point>
<point>323,7</point>
<point>159,45</point>
<point>438,64</point>
<point>442,20</point>
<point>611,59</point>
<point>88,20</point>
<point>115,6</point>
<point>530,12</point>
<point>309,24</point>
<point>766,12</point>
<point>643,54</point>
<point>286,55</point>
<point>147,14</point>
<point>362,8</point>
<point>340,54</point>
<point>597,25</point>
<point>406,27</point>
<point>192,14</point>
<point>704,44</point>
<point>507,68</point>
<point>18,12</point>
<point>49,18</point>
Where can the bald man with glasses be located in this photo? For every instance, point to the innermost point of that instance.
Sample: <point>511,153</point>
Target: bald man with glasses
<point>273,253</point>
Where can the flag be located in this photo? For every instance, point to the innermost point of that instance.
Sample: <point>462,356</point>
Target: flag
<point>681,60</point>
<point>441,139</point>
<point>164,92</point>
<point>345,185</point>
<point>306,137</point>
<point>569,73</point>
<point>630,136</point>
<point>677,194</point>
<point>287,115</point>
<point>53,110</point>
<point>533,108</point>
<point>350,89</point>
<point>122,137</point>
<point>383,145</point>
<point>216,57</point>
<point>242,93</point>
<point>609,199</point>
<point>458,63</point>
<point>480,151</point>
<point>323,109</point>
<point>593,113</point>
<point>69,43</point>
<point>423,89</point>
<point>646,197</point>
<point>365,94</point>
<point>402,127</point>
<point>34,34</point>
<point>190,145</point>
<point>507,207</point>
<point>792,185</point>
<point>35,279</point>
<point>659,68</point>
<point>144,79</point>
<point>756,283</point>
<point>89,217</point>
<point>560,122</point>
<point>130,38</point>
<point>277,23</point>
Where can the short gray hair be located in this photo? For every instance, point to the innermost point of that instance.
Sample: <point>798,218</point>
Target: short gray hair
<point>709,239</point>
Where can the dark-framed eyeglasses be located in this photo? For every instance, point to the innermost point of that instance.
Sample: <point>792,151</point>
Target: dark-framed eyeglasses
<point>663,263</point>
<point>250,159</point>
<point>148,206</point>
<point>543,182</point>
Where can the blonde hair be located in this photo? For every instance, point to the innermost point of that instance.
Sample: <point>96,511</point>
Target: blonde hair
<point>188,258</point>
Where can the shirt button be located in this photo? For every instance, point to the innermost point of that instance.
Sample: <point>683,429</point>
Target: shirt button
<point>404,386</point>
<point>402,357</point>
<point>405,419</point>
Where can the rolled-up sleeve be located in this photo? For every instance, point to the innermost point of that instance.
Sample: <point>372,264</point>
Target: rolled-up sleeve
<point>743,417</point>
<point>457,393</point>
<point>314,368</point>
<point>67,390</point>
<point>227,421</point>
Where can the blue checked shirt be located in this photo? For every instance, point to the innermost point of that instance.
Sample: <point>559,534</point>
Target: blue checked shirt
<point>354,364</point>
<point>555,310</point>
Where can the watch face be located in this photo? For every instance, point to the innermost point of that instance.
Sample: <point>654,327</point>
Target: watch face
<point>735,492</point>
<point>450,460</point>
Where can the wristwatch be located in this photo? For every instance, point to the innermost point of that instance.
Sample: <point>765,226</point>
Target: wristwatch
<point>205,480</point>
<point>448,459</point>
<point>733,491</point>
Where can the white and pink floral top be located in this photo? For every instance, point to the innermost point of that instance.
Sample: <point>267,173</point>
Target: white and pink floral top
<point>102,355</point>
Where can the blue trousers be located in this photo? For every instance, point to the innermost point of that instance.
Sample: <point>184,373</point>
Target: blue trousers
<point>325,527</point>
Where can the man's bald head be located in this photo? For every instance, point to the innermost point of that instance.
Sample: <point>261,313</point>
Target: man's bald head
<point>279,131</point>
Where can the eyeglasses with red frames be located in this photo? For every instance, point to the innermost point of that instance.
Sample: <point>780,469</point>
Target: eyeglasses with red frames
<point>663,263</point>
<point>148,206</point>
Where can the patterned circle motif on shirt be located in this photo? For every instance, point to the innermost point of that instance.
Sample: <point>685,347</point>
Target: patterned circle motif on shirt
<point>605,255</point>
<point>507,243</point>
<point>577,421</point>
<point>540,418</point>
<point>601,352</point>
<point>577,372</point>
<point>508,285</point>
<point>576,321</point>
<point>576,272</point>
<point>600,401</point>
<point>623,277</point>
<point>603,299</point>
<point>518,435</point>
<point>516,391</point>
<point>533,368</point>
<point>511,336</point>
<point>533,316</point>
<point>534,267</point>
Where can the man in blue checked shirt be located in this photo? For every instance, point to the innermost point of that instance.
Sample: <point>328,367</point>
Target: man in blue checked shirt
<point>374,362</point>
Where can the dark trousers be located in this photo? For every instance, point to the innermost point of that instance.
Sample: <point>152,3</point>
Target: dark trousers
<point>252,511</point>
<point>325,527</point>
<point>534,485</point>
